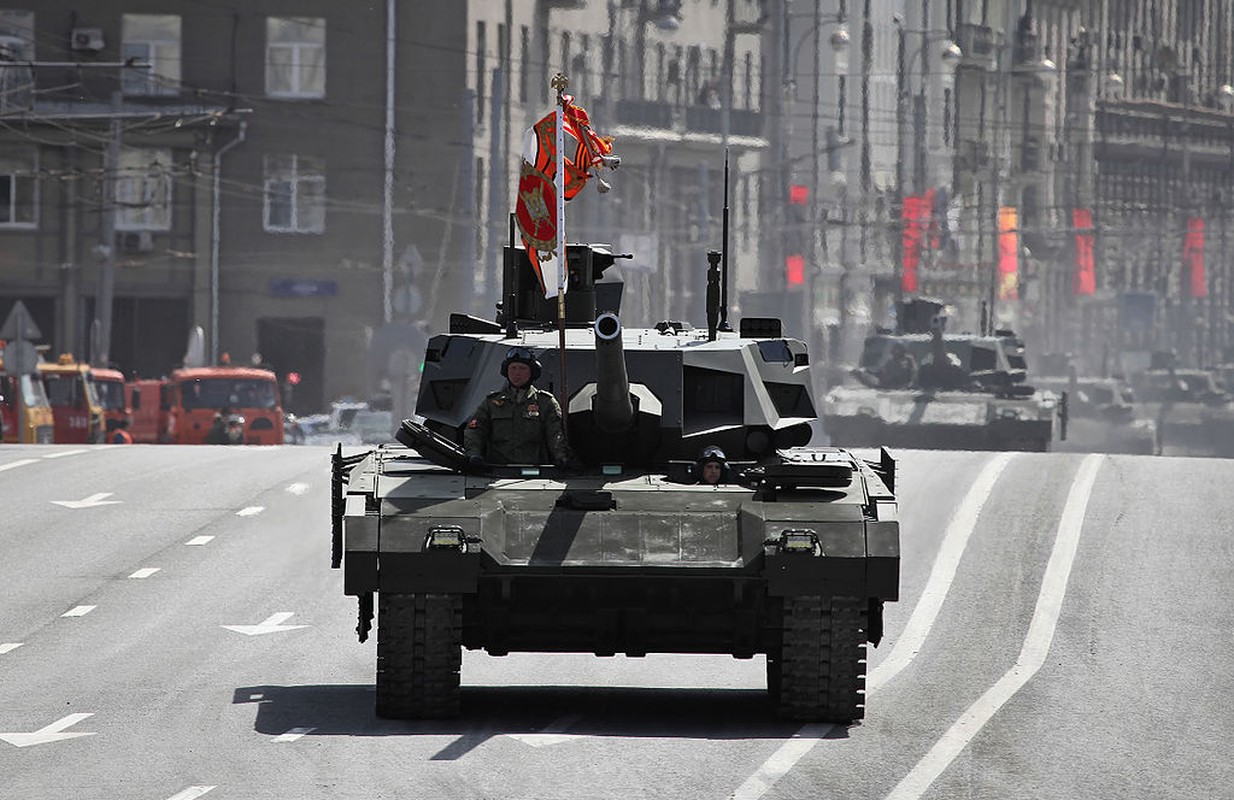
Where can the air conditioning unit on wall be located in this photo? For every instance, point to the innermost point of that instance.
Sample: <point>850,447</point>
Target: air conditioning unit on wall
<point>134,241</point>
<point>87,39</point>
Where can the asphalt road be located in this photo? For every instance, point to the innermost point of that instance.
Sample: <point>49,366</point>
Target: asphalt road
<point>1065,630</point>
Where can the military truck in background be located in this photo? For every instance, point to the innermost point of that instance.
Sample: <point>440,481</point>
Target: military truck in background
<point>965,391</point>
<point>791,559</point>
<point>1103,413</point>
<point>1194,415</point>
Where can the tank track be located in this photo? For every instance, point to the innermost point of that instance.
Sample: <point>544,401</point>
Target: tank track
<point>419,654</point>
<point>820,671</point>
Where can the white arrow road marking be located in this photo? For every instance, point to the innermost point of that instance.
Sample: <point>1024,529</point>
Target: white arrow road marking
<point>272,624</point>
<point>90,502</point>
<point>79,611</point>
<point>21,462</point>
<point>553,733</point>
<point>145,572</point>
<point>50,733</point>
<point>198,540</point>
<point>298,488</point>
<point>251,511</point>
<point>64,453</point>
<point>191,793</point>
<point>1032,654</point>
<point>293,734</point>
<point>8,647</point>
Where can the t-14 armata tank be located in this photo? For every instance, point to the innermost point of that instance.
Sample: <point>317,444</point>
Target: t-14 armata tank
<point>791,556</point>
<point>921,387</point>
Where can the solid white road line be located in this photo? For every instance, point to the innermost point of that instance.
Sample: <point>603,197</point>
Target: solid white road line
<point>251,511</point>
<point>198,540</point>
<point>21,462</point>
<point>298,488</point>
<point>1036,643</point>
<point>191,793</point>
<point>959,530</point>
<point>293,734</point>
<point>79,611</point>
<point>8,647</point>
<point>145,572</point>
<point>64,453</point>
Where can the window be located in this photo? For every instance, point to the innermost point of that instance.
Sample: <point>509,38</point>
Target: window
<point>143,189</point>
<point>295,194</point>
<point>152,39</point>
<point>296,57</point>
<point>16,44</point>
<point>18,185</point>
<point>480,67</point>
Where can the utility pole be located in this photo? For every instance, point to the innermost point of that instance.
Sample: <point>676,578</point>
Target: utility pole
<point>109,209</point>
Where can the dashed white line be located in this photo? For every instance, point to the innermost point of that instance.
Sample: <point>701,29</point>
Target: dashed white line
<point>79,611</point>
<point>293,734</point>
<point>8,647</point>
<point>959,530</point>
<point>1036,642</point>
<point>191,793</point>
<point>250,511</point>
<point>198,540</point>
<point>63,453</point>
<point>298,488</point>
<point>21,462</point>
<point>145,572</point>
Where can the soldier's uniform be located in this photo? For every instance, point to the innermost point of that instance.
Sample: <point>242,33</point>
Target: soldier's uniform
<point>517,426</point>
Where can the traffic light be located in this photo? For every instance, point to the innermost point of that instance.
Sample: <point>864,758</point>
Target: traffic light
<point>293,378</point>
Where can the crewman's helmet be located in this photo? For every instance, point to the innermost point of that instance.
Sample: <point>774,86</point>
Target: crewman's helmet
<point>525,356</point>
<point>712,454</point>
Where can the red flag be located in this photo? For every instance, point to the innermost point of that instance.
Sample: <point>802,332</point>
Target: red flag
<point>795,270</point>
<point>1193,256</point>
<point>1085,282</point>
<point>912,214</point>
<point>535,210</point>
<point>1008,254</point>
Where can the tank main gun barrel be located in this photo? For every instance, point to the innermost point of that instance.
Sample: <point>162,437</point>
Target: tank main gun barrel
<point>612,407</point>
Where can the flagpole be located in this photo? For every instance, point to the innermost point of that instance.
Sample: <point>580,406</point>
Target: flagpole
<point>559,83</point>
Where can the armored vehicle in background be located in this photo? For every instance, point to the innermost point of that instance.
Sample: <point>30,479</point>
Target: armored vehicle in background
<point>791,558</point>
<point>1103,415</point>
<point>1194,416</point>
<point>963,391</point>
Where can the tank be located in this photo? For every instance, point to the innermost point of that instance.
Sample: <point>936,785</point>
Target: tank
<point>1103,413</point>
<point>1194,415</point>
<point>791,558</point>
<point>978,399</point>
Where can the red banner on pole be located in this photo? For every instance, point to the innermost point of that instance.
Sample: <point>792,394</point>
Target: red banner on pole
<point>1085,269</point>
<point>912,231</point>
<point>1193,256</point>
<point>1008,254</point>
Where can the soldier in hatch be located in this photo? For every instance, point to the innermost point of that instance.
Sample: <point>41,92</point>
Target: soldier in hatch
<point>942,370</point>
<point>518,424</point>
<point>899,371</point>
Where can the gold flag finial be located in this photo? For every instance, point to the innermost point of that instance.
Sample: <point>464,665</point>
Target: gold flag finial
<point>559,82</point>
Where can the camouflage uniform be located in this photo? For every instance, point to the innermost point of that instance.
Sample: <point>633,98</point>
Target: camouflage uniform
<point>517,426</point>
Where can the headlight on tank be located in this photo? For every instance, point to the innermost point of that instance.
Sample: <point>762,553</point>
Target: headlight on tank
<point>867,411</point>
<point>1009,413</point>
<point>801,541</point>
<point>445,537</point>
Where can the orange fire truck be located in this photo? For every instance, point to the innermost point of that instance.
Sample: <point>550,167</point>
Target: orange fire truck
<point>74,403</point>
<point>195,395</point>
<point>25,415</point>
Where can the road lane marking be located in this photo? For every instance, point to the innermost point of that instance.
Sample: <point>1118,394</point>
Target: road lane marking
<point>198,540</point>
<point>64,453</point>
<point>298,488</point>
<point>48,733</point>
<point>8,647</point>
<point>21,462</point>
<point>191,793</point>
<point>553,733</point>
<point>79,611</point>
<point>272,624</point>
<point>293,734</point>
<point>94,500</point>
<point>145,572</point>
<point>955,540</point>
<point>250,511</point>
<point>1036,642</point>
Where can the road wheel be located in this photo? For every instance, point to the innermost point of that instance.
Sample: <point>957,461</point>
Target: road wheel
<point>419,653</point>
<point>822,664</point>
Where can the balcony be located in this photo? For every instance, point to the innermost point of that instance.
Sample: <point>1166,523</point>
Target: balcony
<point>741,122</point>
<point>644,113</point>
<point>978,44</point>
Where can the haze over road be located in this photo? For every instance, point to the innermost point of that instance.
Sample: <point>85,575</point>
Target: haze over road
<point>170,628</point>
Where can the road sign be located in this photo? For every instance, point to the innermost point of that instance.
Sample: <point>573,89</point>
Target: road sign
<point>19,324</point>
<point>20,357</point>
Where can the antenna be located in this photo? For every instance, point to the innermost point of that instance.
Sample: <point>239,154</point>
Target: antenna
<point>724,326</point>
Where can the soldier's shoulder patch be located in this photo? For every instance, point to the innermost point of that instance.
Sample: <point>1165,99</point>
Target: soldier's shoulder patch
<point>475,423</point>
